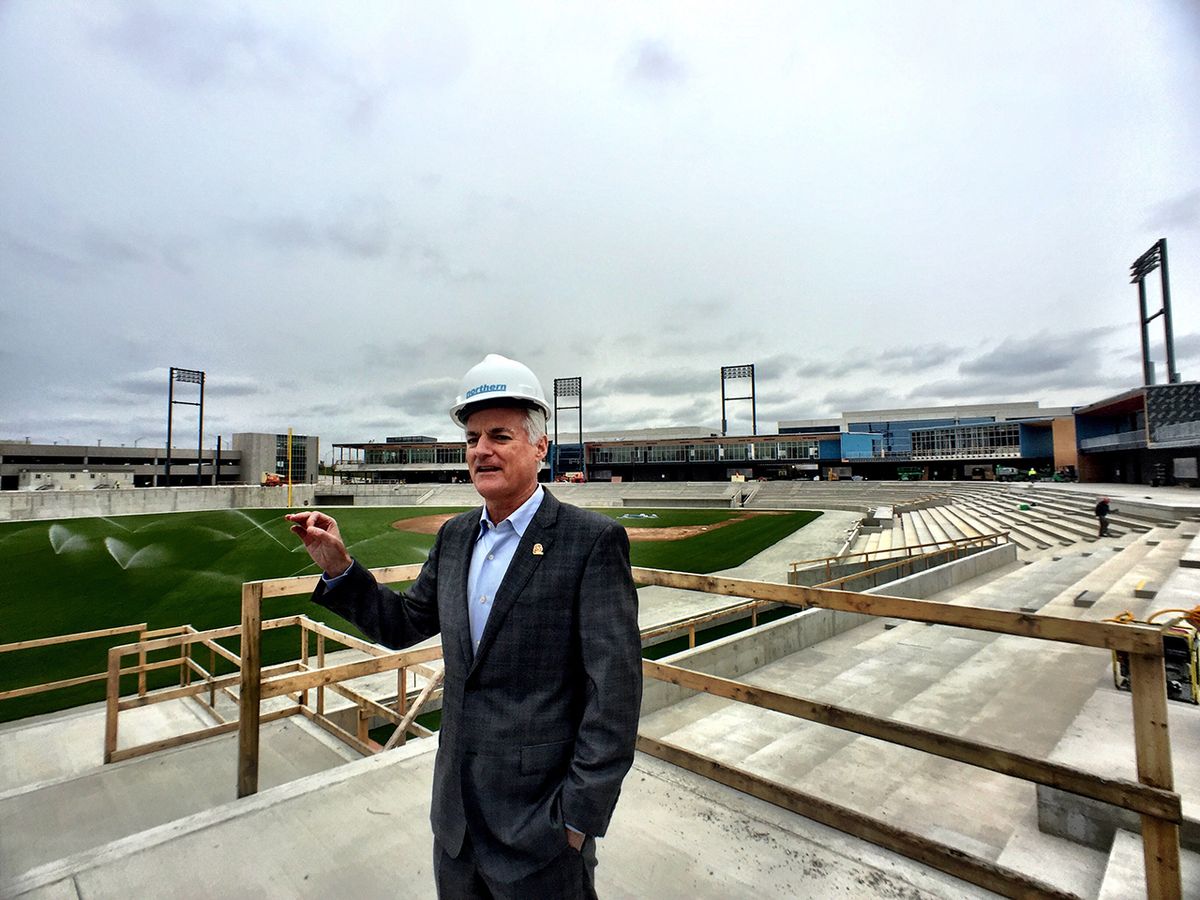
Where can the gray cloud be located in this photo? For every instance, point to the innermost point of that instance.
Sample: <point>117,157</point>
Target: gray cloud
<point>1179,213</point>
<point>1187,346</point>
<point>653,62</point>
<point>1048,357</point>
<point>895,360</point>
<point>860,398</point>
<point>187,47</point>
<point>420,398</point>
<point>42,260</point>
<point>154,383</point>
<point>662,383</point>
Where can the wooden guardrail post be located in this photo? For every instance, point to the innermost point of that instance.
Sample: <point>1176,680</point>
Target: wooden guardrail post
<point>304,657</point>
<point>142,665</point>
<point>1160,839</point>
<point>320,665</point>
<point>111,700</point>
<point>250,689</point>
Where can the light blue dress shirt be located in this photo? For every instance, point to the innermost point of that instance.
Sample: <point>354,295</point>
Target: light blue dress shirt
<point>495,546</point>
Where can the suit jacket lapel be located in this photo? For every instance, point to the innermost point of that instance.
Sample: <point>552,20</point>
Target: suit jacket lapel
<point>462,543</point>
<point>520,570</point>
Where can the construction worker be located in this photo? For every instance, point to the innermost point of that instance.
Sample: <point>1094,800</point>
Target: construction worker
<point>1102,510</point>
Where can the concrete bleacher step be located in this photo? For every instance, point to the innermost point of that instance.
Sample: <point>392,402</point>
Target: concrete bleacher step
<point>1125,873</point>
<point>983,516</point>
<point>954,526</point>
<point>53,819</point>
<point>1140,584</point>
<point>971,520</point>
<point>915,526</point>
<point>1046,533</point>
<point>932,525</point>
<point>1190,558</point>
<point>1018,530</point>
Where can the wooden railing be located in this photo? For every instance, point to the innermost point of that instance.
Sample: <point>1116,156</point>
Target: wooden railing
<point>255,688</point>
<point>1152,796</point>
<point>140,670</point>
<point>910,561</point>
<point>294,680</point>
<point>994,539</point>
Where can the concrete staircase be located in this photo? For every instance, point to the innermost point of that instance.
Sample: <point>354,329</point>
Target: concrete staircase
<point>1020,694</point>
<point>1037,518</point>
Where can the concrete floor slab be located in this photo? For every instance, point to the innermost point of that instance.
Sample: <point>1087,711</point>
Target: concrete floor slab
<point>66,817</point>
<point>363,832</point>
<point>60,745</point>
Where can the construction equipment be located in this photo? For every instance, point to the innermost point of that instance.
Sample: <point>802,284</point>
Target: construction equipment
<point>1180,657</point>
<point>270,479</point>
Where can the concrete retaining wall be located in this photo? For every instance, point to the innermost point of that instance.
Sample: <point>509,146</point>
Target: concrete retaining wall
<point>29,505</point>
<point>817,575</point>
<point>737,654</point>
<point>683,502</point>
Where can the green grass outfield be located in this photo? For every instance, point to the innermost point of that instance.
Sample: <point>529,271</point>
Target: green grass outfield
<point>187,568</point>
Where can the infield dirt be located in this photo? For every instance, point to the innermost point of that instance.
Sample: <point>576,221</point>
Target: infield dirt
<point>430,525</point>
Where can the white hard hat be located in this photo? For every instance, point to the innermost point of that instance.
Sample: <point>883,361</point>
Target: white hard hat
<point>498,378</point>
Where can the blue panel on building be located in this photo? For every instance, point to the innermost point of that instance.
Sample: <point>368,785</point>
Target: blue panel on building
<point>830,449</point>
<point>857,446</point>
<point>1036,442</point>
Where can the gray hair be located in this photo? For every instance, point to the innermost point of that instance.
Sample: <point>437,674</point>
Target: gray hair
<point>535,425</point>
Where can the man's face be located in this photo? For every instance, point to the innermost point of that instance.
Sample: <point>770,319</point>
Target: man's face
<point>502,462</point>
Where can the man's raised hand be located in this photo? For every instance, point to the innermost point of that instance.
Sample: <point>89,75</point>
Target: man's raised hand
<point>322,540</point>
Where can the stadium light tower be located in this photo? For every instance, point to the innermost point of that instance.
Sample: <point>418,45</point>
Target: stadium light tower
<point>735,373</point>
<point>1155,258</point>
<point>565,388</point>
<point>189,376</point>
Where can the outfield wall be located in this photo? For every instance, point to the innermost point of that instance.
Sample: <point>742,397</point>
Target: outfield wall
<point>16,506</point>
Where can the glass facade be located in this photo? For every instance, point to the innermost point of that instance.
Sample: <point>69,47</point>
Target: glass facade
<point>790,450</point>
<point>410,455</point>
<point>995,439</point>
<point>299,455</point>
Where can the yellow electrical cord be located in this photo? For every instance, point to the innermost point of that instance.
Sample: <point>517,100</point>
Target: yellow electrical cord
<point>1191,616</point>
<point>1125,618</point>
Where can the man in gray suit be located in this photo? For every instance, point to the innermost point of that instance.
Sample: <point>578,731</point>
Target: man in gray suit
<point>538,616</point>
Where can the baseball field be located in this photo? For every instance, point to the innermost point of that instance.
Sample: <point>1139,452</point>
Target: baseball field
<point>171,569</point>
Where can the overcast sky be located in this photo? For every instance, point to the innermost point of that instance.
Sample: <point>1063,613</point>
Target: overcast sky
<point>336,209</point>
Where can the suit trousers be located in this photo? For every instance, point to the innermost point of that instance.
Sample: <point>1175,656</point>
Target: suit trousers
<point>569,876</point>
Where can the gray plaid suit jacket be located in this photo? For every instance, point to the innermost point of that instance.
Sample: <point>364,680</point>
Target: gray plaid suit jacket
<point>538,727</point>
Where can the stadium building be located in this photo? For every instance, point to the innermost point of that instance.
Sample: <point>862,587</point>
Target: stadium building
<point>27,466</point>
<point>1145,435</point>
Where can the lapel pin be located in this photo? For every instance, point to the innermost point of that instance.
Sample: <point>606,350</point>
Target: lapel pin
<point>538,550</point>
